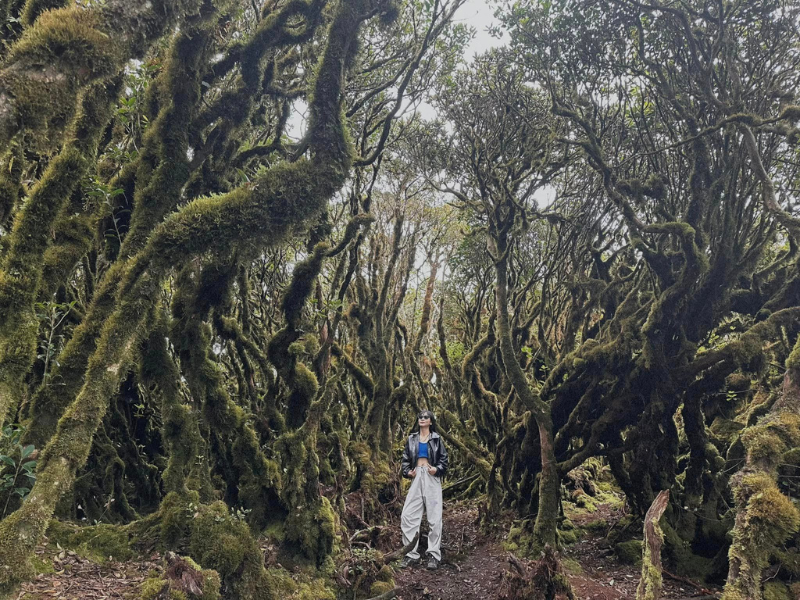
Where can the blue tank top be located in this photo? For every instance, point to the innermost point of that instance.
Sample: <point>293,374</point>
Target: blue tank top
<point>423,450</point>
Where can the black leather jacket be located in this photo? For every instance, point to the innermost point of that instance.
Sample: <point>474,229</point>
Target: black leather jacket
<point>437,454</point>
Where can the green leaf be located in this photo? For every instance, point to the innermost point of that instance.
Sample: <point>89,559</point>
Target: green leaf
<point>28,450</point>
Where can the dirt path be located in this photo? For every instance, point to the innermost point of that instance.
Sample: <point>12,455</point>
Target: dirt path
<point>473,566</point>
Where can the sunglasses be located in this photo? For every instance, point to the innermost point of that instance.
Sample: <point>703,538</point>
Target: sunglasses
<point>423,417</point>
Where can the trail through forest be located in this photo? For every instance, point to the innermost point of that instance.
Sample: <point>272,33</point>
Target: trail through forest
<point>473,567</point>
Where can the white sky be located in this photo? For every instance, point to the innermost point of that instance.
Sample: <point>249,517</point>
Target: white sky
<point>479,15</point>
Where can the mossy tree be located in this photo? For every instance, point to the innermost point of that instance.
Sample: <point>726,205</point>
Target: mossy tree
<point>676,259</point>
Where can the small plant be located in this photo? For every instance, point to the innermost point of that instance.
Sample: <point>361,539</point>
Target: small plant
<point>51,315</point>
<point>102,193</point>
<point>18,465</point>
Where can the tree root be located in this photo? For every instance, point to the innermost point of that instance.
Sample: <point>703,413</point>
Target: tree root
<point>542,579</point>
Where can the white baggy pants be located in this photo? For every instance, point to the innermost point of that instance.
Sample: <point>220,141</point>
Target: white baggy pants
<point>425,492</point>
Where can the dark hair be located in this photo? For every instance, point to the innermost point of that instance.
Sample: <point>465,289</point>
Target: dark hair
<point>430,414</point>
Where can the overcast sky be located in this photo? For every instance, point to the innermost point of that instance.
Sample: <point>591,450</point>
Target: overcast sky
<point>478,14</point>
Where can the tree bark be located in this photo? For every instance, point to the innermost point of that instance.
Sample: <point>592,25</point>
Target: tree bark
<point>650,583</point>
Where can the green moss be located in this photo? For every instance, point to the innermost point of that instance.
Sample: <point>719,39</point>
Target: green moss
<point>567,538</point>
<point>630,552</point>
<point>69,40</point>
<point>34,8</point>
<point>310,525</point>
<point>775,590</point>
<point>176,517</point>
<point>595,525</point>
<point>298,586</point>
<point>583,500</point>
<point>41,565</point>
<point>775,514</point>
<point>677,553</point>
<point>313,529</point>
<point>158,586</point>
<point>152,588</point>
<point>218,541</point>
<point>386,574</point>
<point>571,566</point>
<point>790,561</point>
<point>99,542</point>
<point>725,429</point>
<point>380,587</point>
<point>22,265</point>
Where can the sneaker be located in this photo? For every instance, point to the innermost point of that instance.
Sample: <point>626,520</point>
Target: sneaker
<point>433,564</point>
<point>408,561</point>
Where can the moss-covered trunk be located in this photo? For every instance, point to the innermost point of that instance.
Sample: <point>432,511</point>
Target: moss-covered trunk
<point>650,584</point>
<point>545,531</point>
<point>765,517</point>
<point>79,46</point>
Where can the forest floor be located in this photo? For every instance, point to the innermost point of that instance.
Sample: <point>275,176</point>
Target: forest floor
<point>473,566</point>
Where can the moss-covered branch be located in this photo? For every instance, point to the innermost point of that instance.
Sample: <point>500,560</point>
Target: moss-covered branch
<point>650,584</point>
<point>160,176</point>
<point>21,270</point>
<point>66,50</point>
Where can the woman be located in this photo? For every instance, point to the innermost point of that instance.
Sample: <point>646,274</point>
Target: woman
<point>425,462</point>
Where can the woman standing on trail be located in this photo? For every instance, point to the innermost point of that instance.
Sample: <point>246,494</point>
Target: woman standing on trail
<point>425,462</point>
